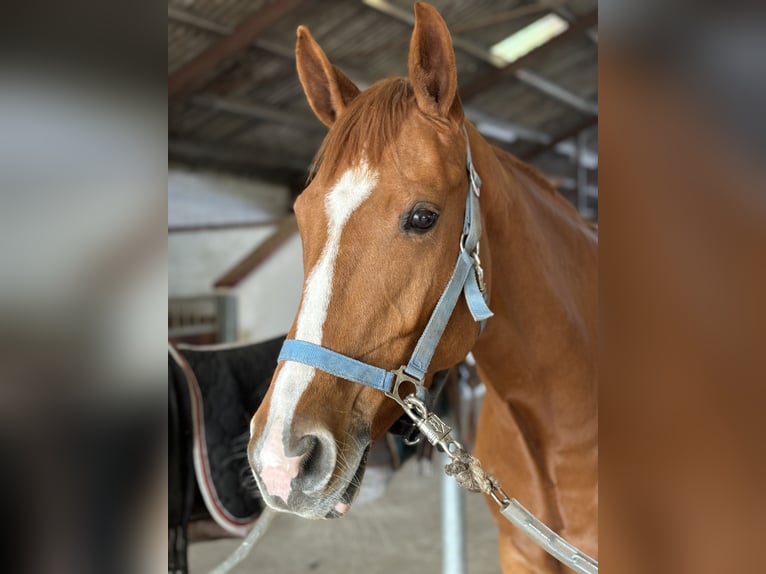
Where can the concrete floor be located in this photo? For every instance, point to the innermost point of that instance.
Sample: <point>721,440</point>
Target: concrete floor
<point>400,532</point>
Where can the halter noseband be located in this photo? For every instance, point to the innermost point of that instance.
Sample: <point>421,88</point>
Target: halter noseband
<point>463,280</point>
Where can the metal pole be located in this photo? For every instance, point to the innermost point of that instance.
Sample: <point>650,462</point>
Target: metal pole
<point>227,318</point>
<point>453,523</point>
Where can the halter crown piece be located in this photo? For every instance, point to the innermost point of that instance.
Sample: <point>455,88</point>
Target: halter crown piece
<point>467,278</point>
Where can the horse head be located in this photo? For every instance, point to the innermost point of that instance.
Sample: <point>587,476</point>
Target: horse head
<point>381,222</point>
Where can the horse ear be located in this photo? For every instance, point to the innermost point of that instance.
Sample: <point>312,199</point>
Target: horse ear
<point>328,90</point>
<point>433,73</point>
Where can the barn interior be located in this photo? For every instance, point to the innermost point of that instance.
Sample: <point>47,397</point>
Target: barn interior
<point>241,138</point>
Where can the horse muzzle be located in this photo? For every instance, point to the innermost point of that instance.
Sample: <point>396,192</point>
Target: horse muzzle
<point>313,476</point>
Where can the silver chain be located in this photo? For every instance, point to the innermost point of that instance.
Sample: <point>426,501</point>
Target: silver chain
<point>469,474</point>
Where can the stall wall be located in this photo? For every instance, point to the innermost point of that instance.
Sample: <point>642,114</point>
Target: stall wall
<point>267,299</point>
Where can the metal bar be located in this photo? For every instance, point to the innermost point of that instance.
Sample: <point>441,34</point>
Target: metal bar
<point>273,48</point>
<point>497,127</point>
<point>184,17</point>
<point>510,15</point>
<point>570,184</point>
<point>587,123</point>
<point>453,523</point>
<point>588,158</point>
<point>564,12</point>
<point>228,46</point>
<point>259,112</point>
<point>227,318</point>
<point>557,92</point>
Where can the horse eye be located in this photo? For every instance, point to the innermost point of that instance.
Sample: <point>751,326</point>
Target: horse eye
<point>422,219</point>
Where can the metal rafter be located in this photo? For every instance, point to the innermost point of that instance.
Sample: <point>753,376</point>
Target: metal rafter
<point>523,75</point>
<point>577,28</point>
<point>258,112</point>
<point>184,17</point>
<point>501,131</point>
<point>184,79</point>
<point>533,153</point>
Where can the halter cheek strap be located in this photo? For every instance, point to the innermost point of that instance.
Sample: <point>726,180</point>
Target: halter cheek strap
<point>467,279</point>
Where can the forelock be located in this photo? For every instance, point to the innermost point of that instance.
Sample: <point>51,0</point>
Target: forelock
<point>367,126</point>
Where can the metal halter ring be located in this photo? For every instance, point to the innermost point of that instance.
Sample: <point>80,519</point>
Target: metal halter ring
<point>401,376</point>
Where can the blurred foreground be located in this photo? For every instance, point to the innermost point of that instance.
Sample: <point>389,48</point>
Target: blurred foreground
<point>83,289</point>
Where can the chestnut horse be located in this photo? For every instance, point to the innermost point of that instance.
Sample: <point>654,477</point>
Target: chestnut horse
<point>381,223</point>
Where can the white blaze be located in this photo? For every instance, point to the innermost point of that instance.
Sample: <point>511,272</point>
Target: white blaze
<point>278,469</point>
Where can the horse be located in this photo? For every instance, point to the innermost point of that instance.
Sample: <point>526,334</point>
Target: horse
<point>381,221</point>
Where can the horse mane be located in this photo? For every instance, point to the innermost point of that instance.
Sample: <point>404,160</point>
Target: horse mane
<point>534,175</point>
<point>528,170</point>
<point>370,123</point>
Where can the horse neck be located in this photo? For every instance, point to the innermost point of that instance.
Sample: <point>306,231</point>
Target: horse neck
<point>543,264</point>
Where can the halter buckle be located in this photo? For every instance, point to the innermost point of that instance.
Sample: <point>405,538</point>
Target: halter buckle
<point>401,376</point>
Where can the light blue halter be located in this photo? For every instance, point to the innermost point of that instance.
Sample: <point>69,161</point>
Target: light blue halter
<point>467,278</point>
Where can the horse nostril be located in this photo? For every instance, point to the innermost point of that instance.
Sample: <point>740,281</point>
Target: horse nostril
<point>311,450</point>
<point>306,444</point>
<point>317,461</point>
<point>304,464</point>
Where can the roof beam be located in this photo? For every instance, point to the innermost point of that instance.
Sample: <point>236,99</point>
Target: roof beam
<point>478,85</point>
<point>584,125</point>
<point>500,130</point>
<point>509,15</point>
<point>556,92</point>
<point>250,262</point>
<point>259,112</point>
<point>184,79</point>
<point>184,17</point>
<point>527,77</point>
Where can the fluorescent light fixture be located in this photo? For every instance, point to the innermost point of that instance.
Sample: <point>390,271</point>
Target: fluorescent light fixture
<point>528,38</point>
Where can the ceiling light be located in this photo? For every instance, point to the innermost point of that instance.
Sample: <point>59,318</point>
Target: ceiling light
<point>528,38</point>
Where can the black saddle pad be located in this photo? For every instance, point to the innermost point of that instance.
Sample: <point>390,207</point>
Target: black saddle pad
<point>226,385</point>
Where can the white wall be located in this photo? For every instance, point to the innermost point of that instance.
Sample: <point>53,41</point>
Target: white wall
<point>268,298</point>
<point>197,258</point>
<point>210,198</point>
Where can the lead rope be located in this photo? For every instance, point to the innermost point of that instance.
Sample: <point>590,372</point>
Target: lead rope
<point>252,538</point>
<point>468,472</point>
